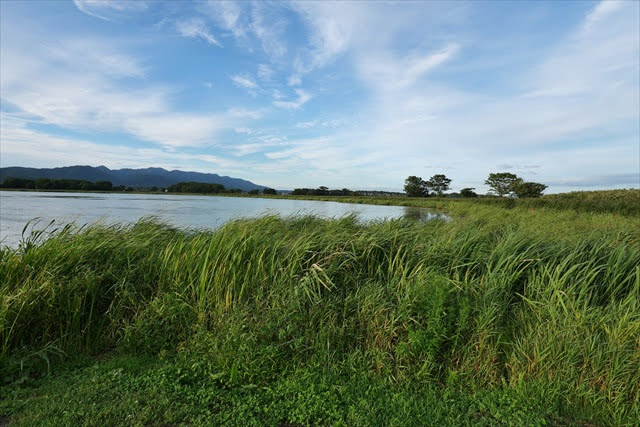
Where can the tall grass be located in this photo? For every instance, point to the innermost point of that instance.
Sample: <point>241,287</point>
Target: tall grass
<point>494,298</point>
<point>620,202</point>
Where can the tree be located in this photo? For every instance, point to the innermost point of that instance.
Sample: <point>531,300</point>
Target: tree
<point>501,183</point>
<point>254,191</point>
<point>322,191</point>
<point>438,183</point>
<point>468,192</point>
<point>269,191</point>
<point>528,189</point>
<point>415,186</point>
<point>102,186</point>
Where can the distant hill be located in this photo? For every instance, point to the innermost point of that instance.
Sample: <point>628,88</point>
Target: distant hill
<point>148,177</point>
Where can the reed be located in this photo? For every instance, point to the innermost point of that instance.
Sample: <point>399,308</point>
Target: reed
<point>493,299</point>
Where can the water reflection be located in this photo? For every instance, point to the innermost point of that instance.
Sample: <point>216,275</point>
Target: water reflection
<point>422,214</point>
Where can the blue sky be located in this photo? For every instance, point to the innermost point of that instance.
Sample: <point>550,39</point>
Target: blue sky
<point>303,94</point>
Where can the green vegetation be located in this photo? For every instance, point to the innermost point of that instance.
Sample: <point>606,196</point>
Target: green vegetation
<point>438,184</point>
<point>518,312</point>
<point>468,193</point>
<point>270,191</point>
<point>506,184</point>
<point>528,189</point>
<point>55,184</point>
<point>414,186</point>
<point>199,187</point>
<point>322,191</point>
<point>620,202</point>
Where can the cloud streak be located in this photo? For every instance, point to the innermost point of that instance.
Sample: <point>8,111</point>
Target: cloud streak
<point>109,10</point>
<point>196,28</point>
<point>303,98</point>
<point>244,82</point>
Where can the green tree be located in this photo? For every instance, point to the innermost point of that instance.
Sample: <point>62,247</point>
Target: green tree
<point>468,192</point>
<point>438,183</point>
<point>528,189</point>
<point>269,191</point>
<point>415,186</point>
<point>103,186</point>
<point>501,183</point>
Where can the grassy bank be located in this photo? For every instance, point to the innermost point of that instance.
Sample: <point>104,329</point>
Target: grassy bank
<point>621,202</point>
<point>507,314</point>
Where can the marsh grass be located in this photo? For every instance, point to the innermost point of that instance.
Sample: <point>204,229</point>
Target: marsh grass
<point>493,300</point>
<point>619,202</point>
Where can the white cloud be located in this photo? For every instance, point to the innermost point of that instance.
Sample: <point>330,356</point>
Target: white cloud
<point>294,80</point>
<point>307,125</point>
<point>83,86</point>
<point>385,72</point>
<point>265,72</point>
<point>25,146</point>
<point>244,114</point>
<point>601,11</point>
<point>583,85</point>
<point>109,9</point>
<point>320,124</point>
<point>269,27</point>
<point>196,28</point>
<point>228,15</point>
<point>244,130</point>
<point>252,23</point>
<point>244,81</point>
<point>176,129</point>
<point>303,98</point>
<point>331,28</point>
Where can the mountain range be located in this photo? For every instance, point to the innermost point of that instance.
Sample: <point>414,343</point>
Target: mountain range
<point>148,177</point>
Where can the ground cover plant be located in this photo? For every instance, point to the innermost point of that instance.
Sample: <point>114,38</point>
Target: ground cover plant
<point>507,314</point>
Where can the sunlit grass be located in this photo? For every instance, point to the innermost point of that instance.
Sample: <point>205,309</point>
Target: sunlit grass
<point>496,299</point>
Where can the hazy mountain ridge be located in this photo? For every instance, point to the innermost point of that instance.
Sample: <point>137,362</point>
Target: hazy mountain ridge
<point>147,177</point>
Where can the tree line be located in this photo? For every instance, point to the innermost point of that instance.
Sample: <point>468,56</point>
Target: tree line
<point>321,191</point>
<point>200,187</point>
<point>501,184</point>
<point>56,184</point>
<point>83,185</point>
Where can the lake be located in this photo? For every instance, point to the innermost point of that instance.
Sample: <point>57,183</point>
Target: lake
<point>210,212</point>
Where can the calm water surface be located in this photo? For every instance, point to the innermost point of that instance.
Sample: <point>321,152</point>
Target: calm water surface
<point>17,208</point>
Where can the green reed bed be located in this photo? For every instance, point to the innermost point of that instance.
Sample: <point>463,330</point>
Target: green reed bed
<point>619,202</point>
<point>498,316</point>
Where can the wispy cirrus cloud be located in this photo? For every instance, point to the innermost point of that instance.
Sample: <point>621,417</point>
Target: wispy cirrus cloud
<point>303,98</point>
<point>244,81</point>
<point>109,9</point>
<point>196,28</point>
<point>230,16</point>
<point>83,86</point>
<point>600,11</point>
<point>252,24</point>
